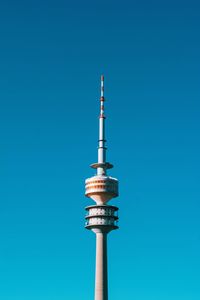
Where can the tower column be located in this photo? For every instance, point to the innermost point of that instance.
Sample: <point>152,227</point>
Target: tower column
<point>101,218</point>
<point>101,277</point>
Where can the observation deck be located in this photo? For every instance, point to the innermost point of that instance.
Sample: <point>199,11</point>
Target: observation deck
<point>101,188</point>
<point>104,217</point>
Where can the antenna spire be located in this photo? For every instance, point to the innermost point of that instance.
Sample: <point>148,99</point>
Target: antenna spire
<point>102,98</point>
<point>102,141</point>
<point>101,164</point>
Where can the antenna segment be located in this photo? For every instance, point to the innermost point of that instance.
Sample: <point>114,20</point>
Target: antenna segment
<point>102,165</point>
<point>102,148</point>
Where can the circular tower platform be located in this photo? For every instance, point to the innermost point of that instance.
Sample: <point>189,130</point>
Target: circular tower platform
<point>101,188</point>
<point>102,217</point>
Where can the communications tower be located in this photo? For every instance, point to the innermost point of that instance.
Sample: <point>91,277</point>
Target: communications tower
<point>101,218</point>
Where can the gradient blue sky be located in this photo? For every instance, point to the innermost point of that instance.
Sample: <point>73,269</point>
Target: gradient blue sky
<point>51,56</point>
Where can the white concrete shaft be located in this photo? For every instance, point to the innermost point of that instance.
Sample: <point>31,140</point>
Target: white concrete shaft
<point>101,278</point>
<point>102,155</point>
<point>101,147</point>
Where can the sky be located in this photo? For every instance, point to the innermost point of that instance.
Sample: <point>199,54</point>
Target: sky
<point>51,57</point>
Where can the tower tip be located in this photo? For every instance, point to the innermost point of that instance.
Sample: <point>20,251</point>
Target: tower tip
<point>102,77</point>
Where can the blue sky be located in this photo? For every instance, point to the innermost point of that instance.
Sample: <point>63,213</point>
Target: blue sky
<point>52,56</point>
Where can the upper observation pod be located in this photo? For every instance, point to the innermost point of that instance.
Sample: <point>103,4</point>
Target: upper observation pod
<point>101,188</point>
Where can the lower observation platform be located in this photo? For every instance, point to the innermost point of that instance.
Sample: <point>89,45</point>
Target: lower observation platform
<point>104,217</point>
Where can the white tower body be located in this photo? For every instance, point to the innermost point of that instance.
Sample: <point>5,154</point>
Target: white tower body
<point>101,218</point>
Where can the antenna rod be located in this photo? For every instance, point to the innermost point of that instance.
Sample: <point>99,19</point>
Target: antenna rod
<point>102,141</point>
